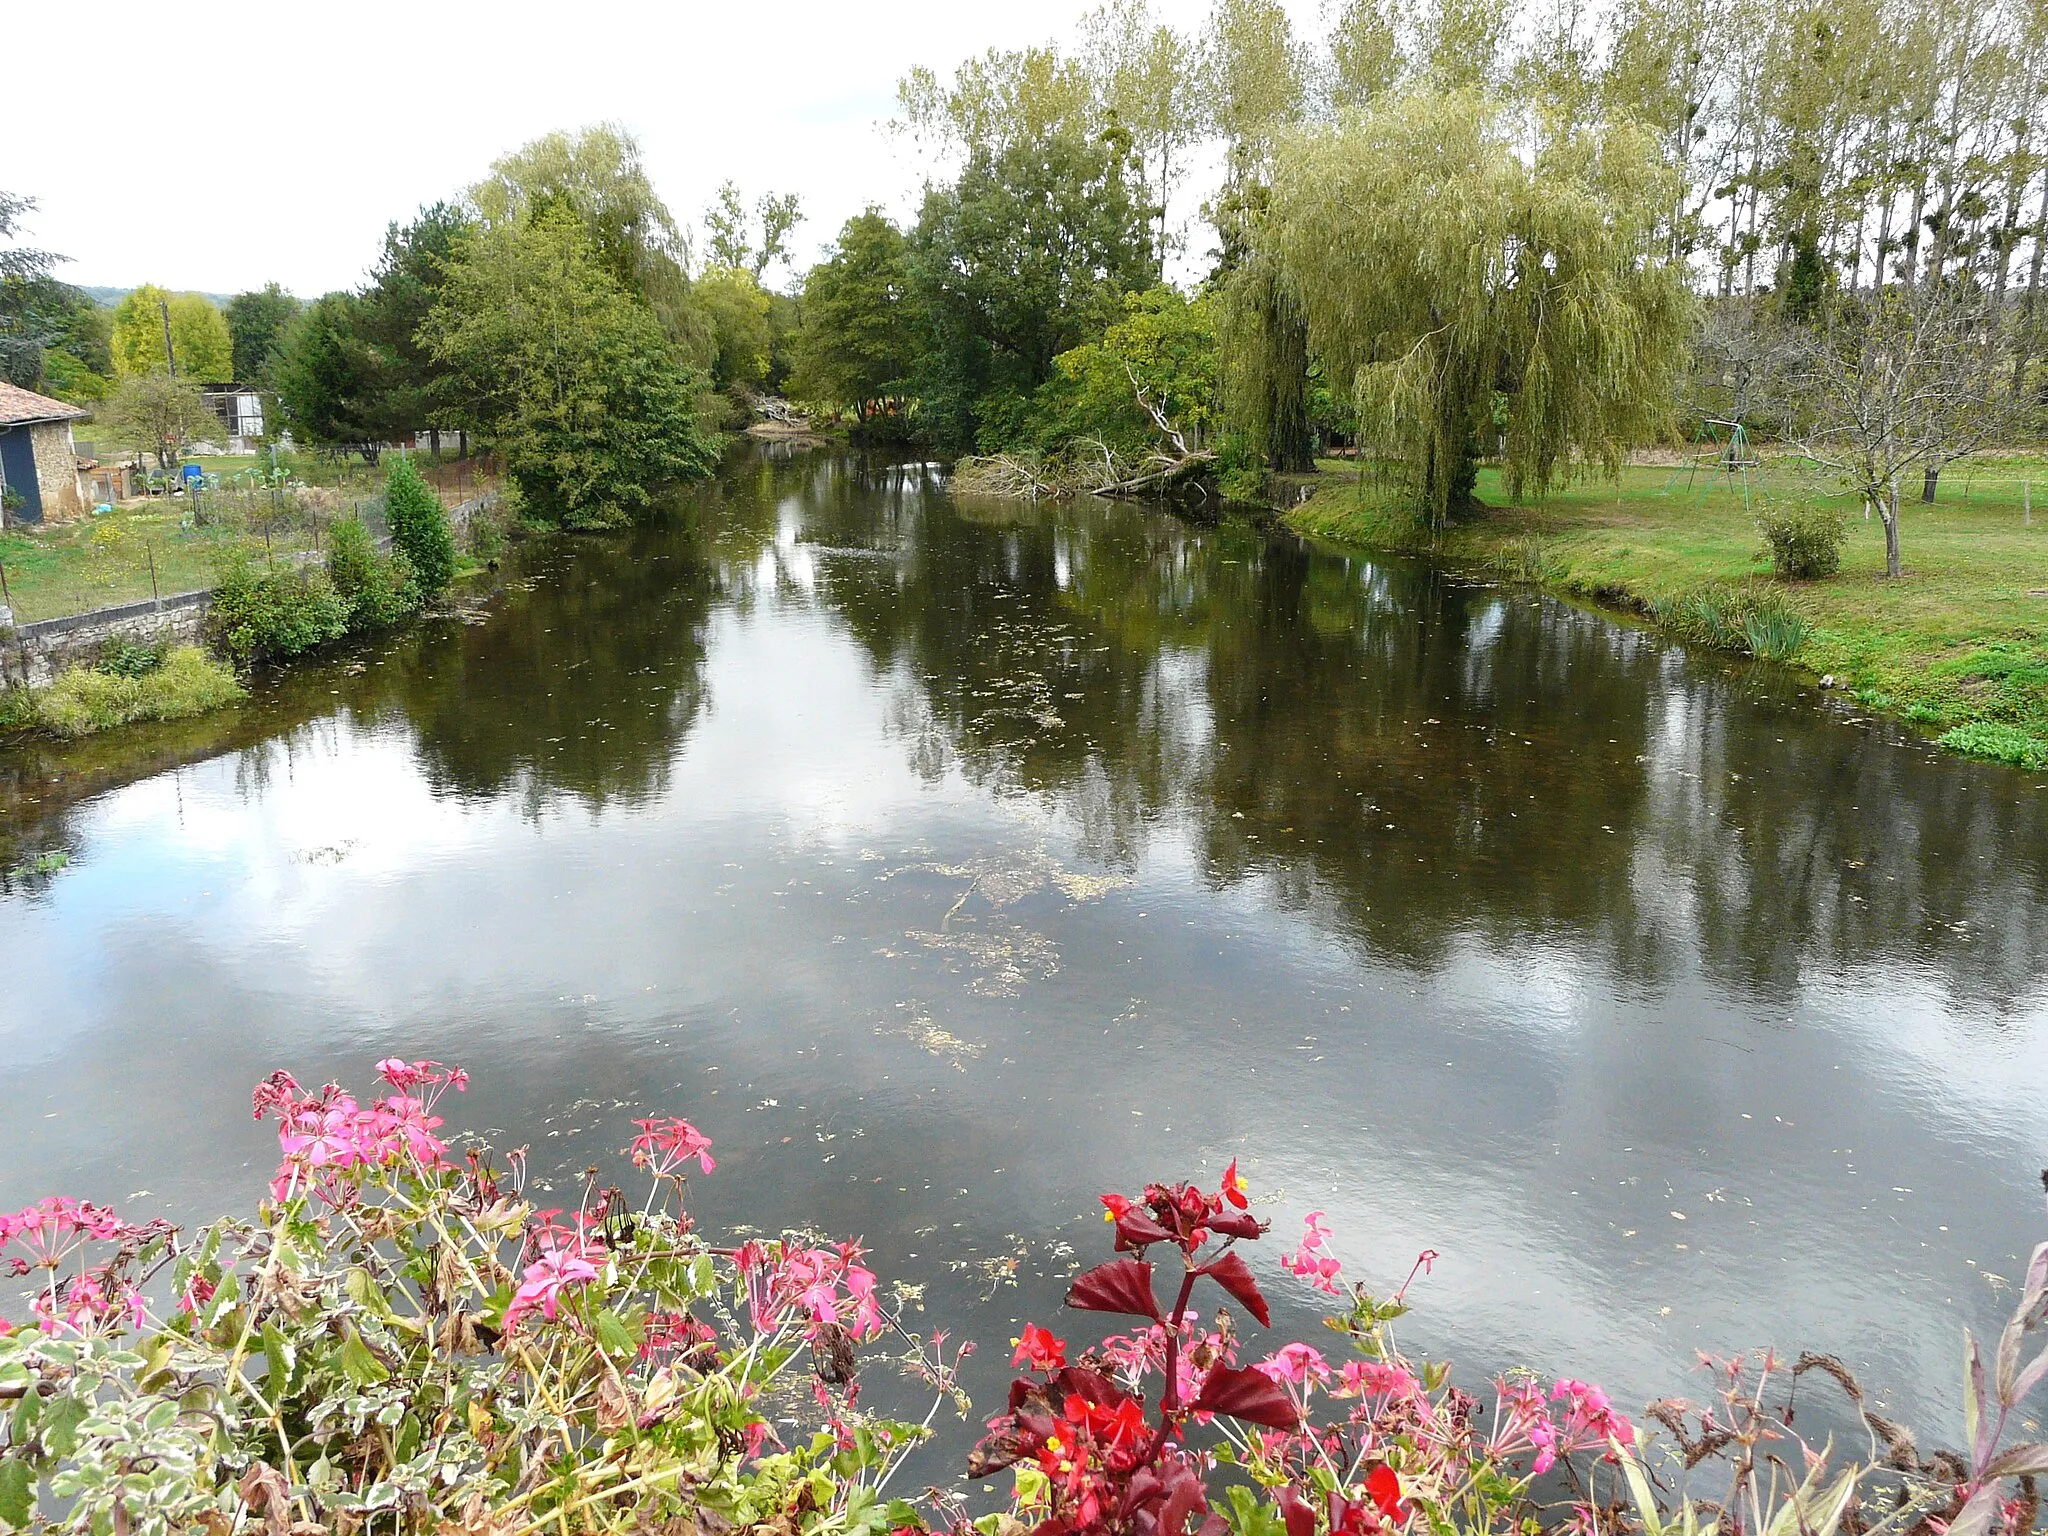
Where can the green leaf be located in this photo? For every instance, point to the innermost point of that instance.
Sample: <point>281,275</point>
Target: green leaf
<point>613,1336</point>
<point>17,1493</point>
<point>362,1290</point>
<point>60,1426</point>
<point>22,1423</point>
<point>280,1355</point>
<point>362,1368</point>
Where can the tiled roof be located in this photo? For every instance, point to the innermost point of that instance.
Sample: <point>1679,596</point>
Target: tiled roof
<point>18,405</point>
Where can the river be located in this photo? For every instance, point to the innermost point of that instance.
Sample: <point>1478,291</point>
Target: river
<point>948,864</point>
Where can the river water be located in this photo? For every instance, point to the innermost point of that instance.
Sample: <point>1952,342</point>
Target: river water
<point>948,864</point>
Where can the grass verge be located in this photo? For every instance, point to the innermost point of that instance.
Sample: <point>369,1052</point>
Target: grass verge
<point>1957,646</point>
<point>85,699</point>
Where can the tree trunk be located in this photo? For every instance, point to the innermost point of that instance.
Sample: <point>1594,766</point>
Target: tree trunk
<point>2025,348</point>
<point>1928,484</point>
<point>1892,567</point>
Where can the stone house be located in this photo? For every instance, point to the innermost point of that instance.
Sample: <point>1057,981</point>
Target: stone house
<point>38,464</point>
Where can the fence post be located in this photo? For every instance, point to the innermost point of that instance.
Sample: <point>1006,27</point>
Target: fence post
<point>2026,503</point>
<point>154,595</point>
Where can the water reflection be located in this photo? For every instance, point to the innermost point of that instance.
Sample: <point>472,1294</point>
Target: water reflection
<point>951,862</point>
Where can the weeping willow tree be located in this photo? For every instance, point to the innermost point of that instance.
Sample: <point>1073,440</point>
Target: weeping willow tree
<point>1477,299</point>
<point>1262,341</point>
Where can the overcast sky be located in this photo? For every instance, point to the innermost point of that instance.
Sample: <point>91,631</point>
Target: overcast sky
<point>220,146</point>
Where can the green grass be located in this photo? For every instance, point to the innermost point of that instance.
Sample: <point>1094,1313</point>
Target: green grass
<point>84,700</point>
<point>95,562</point>
<point>1960,641</point>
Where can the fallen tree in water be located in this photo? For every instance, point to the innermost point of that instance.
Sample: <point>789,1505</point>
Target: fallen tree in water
<point>1092,468</point>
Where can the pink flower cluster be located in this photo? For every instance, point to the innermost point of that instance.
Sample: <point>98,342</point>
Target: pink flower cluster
<point>1313,1261</point>
<point>664,1146</point>
<point>53,1228</point>
<point>1525,1421</point>
<point>559,1266</point>
<point>97,1299</point>
<point>51,1231</point>
<point>1296,1365</point>
<point>821,1287</point>
<point>327,1136</point>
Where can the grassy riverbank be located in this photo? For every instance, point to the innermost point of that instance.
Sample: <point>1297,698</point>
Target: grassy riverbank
<point>1958,646</point>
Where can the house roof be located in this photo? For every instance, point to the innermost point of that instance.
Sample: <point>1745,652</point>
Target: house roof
<point>19,406</point>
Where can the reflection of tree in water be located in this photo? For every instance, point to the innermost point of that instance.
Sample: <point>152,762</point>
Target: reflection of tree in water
<point>583,683</point>
<point>1422,762</point>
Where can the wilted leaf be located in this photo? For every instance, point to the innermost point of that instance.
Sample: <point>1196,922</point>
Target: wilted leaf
<point>2020,1461</point>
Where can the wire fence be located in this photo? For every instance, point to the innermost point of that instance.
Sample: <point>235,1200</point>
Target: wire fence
<point>163,545</point>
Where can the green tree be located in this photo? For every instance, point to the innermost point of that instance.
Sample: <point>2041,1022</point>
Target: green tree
<point>1256,78</point>
<point>1366,58</point>
<point>737,307</point>
<point>325,375</point>
<point>256,325</point>
<point>730,230</point>
<point>410,389</point>
<point>35,309</point>
<point>419,526</point>
<point>1148,78</point>
<point>857,343</point>
<point>1470,298</point>
<point>597,172</point>
<point>155,413</point>
<point>198,334</point>
<point>1152,372</point>
<point>566,372</point>
<point>1023,258</point>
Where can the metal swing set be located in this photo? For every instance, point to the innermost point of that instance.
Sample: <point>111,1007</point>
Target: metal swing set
<point>1730,457</point>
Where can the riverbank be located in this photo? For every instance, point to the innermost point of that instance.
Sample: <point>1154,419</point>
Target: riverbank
<point>1958,646</point>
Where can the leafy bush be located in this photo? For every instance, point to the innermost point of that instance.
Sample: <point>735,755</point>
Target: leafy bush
<point>378,590</point>
<point>419,527</point>
<point>122,657</point>
<point>1805,539</point>
<point>268,615</point>
<point>1240,472</point>
<point>86,699</point>
<point>1999,742</point>
<point>402,1343</point>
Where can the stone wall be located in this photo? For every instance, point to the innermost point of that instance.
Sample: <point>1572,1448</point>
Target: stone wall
<point>36,653</point>
<point>56,470</point>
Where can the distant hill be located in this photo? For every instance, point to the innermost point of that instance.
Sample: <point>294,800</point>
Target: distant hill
<point>107,298</point>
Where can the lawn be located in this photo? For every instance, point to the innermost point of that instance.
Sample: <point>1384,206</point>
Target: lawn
<point>95,562</point>
<point>1960,641</point>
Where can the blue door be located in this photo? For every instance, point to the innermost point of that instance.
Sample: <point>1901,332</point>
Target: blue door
<point>18,464</point>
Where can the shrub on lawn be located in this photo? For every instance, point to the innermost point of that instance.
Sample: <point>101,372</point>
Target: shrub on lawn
<point>1804,538</point>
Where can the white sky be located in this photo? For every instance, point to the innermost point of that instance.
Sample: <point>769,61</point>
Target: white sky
<point>217,147</point>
